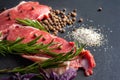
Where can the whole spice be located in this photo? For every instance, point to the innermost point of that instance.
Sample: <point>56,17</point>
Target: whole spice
<point>99,9</point>
<point>75,10</point>
<point>8,15</point>
<point>58,20</point>
<point>64,9</point>
<point>32,8</point>
<point>73,14</point>
<point>80,20</point>
<point>9,18</point>
<point>73,19</point>
<point>3,9</point>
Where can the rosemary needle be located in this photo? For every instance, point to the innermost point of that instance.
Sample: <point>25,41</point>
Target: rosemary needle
<point>32,23</point>
<point>18,48</point>
<point>50,63</point>
<point>32,47</point>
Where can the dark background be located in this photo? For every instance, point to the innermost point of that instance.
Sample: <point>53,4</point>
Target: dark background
<point>108,20</point>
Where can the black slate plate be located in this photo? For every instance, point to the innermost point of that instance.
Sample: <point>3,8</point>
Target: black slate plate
<point>107,56</point>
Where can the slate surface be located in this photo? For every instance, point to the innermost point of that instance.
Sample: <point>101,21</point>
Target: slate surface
<point>108,20</point>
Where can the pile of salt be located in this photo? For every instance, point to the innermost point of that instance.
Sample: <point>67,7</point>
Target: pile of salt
<point>88,36</point>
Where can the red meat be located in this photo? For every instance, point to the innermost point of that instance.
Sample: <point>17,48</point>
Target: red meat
<point>86,61</point>
<point>30,33</point>
<point>31,10</point>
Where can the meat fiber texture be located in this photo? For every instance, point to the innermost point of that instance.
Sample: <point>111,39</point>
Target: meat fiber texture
<point>86,62</point>
<point>33,10</point>
<point>30,10</point>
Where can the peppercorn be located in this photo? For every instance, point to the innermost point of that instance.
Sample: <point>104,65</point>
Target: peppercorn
<point>9,18</point>
<point>80,20</point>
<point>45,21</point>
<point>73,14</point>
<point>21,11</point>
<point>64,9</point>
<point>75,10</point>
<point>43,39</point>
<point>62,30</point>
<point>58,19</point>
<point>74,29</point>
<point>99,9</point>
<point>57,11</point>
<point>74,19</point>
<point>32,8</point>
<point>60,47</point>
<point>3,9</point>
<point>55,33</point>
<point>8,15</point>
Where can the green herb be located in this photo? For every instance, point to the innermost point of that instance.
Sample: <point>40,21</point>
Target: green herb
<point>28,69</point>
<point>50,63</point>
<point>32,23</point>
<point>32,47</point>
<point>60,58</point>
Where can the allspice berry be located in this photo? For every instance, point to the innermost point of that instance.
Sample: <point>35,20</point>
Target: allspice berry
<point>99,9</point>
<point>58,20</point>
<point>80,20</point>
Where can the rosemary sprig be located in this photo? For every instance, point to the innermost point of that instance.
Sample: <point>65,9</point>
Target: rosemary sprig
<point>60,58</point>
<point>32,23</point>
<point>17,47</point>
<point>50,63</point>
<point>28,69</point>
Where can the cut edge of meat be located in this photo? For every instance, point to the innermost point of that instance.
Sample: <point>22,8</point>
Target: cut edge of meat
<point>87,62</point>
<point>88,65</point>
<point>35,58</point>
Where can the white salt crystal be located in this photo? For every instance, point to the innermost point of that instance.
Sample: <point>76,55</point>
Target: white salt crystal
<point>88,36</point>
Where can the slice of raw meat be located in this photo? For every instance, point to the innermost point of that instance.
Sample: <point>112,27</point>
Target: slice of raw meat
<point>31,10</point>
<point>30,33</point>
<point>84,60</point>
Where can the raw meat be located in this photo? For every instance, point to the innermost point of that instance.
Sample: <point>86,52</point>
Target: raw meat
<point>85,60</point>
<point>31,10</point>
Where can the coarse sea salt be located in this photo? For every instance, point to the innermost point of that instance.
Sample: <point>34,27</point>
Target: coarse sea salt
<point>88,36</point>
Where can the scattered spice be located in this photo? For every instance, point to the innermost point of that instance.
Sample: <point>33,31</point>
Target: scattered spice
<point>62,30</point>
<point>73,19</point>
<point>35,35</point>
<point>21,11</point>
<point>9,18</point>
<point>58,20</point>
<point>74,29</point>
<point>3,9</point>
<point>64,9</point>
<point>88,36</point>
<point>73,14</point>
<point>32,8</point>
<point>75,10</point>
<point>8,15</point>
<point>60,47</point>
<point>80,20</point>
<point>43,39</point>
<point>99,9</point>
<point>55,32</point>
